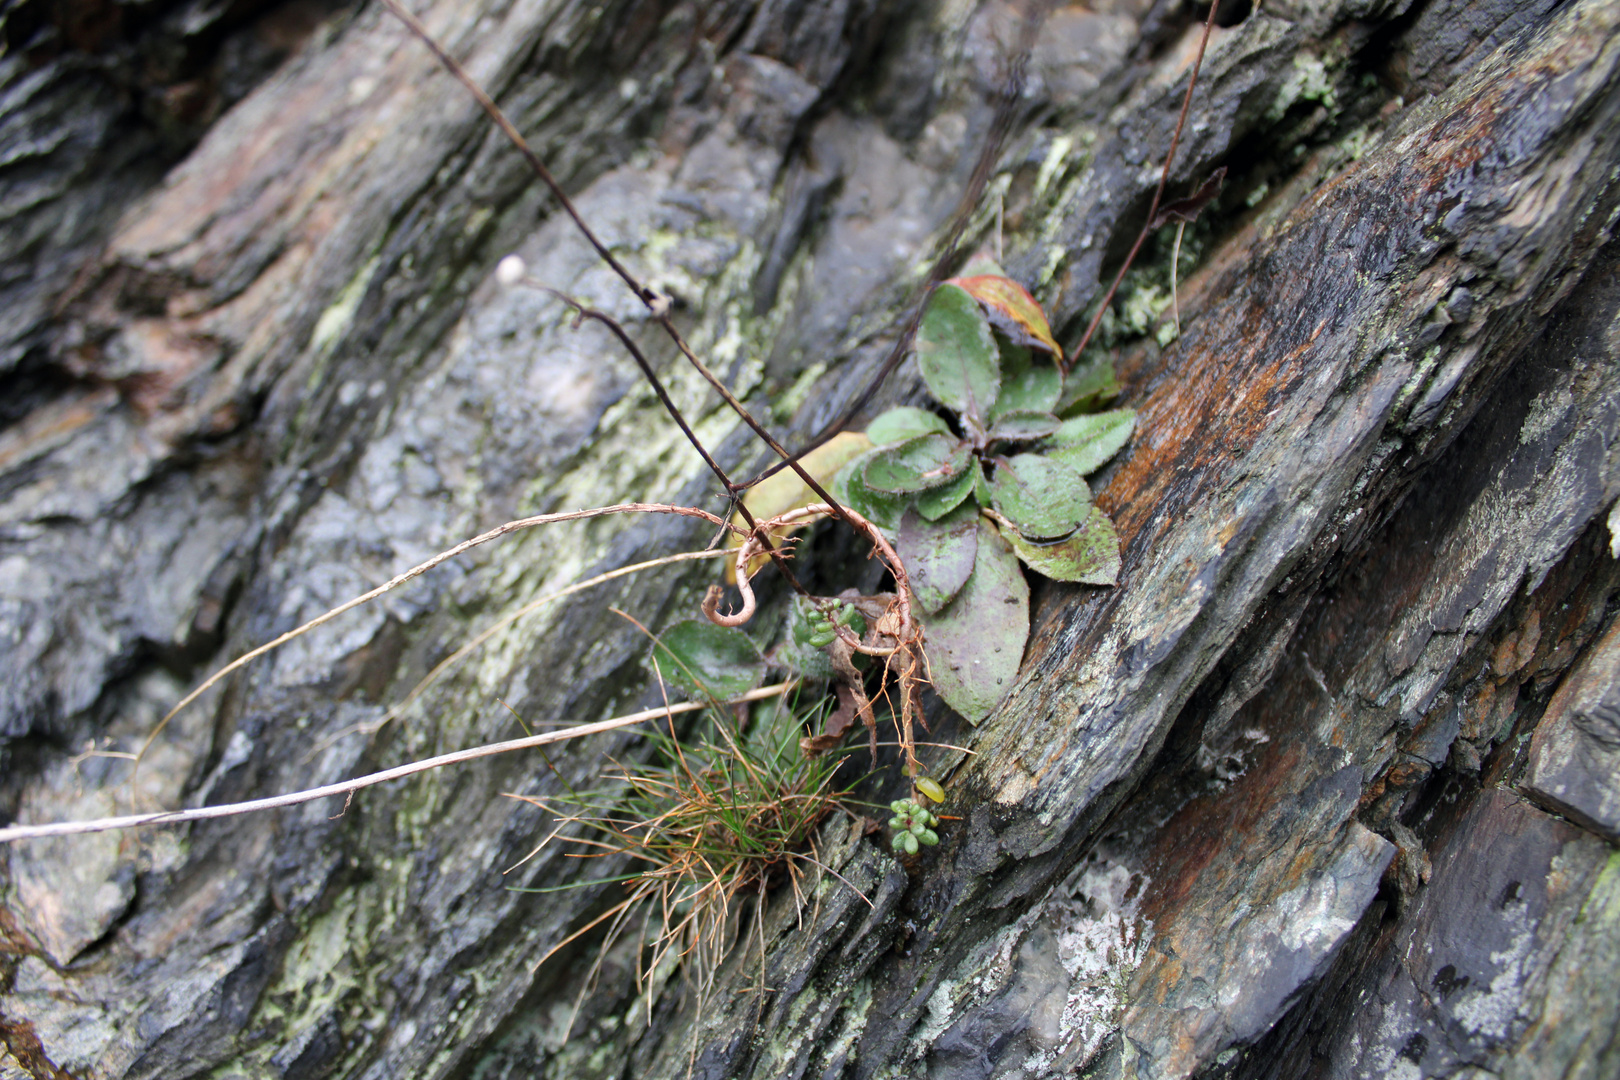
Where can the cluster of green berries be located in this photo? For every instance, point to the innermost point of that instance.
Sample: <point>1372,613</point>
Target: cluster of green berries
<point>914,826</point>
<point>818,630</point>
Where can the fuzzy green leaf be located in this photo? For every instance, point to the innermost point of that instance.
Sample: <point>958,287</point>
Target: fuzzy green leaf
<point>1090,556</point>
<point>1090,384</point>
<point>938,555</point>
<point>1043,498</point>
<point>976,642</point>
<point>1024,426</point>
<point>928,461</point>
<point>1026,383</point>
<point>905,422</point>
<point>1087,441</point>
<point>850,489</point>
<point>706,660</point>
<point>957,354</point>
<point>935,504</point>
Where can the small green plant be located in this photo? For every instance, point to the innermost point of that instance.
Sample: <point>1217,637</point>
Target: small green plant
<point>732,807</point>
<point>715,816</point>
<point>998,482</point>
<point>913,826</point>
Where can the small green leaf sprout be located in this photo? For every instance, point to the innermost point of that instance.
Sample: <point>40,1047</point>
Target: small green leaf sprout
<point>818,628</point>
<point>914,827</point>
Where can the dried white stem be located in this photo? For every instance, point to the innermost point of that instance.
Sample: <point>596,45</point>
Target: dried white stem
<point>201,813</point>
<point>414,572</point>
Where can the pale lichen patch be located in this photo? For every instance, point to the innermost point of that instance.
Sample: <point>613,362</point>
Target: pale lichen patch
<point>1308,81</point>
<point>1102,940</point>
<point>340,313</point>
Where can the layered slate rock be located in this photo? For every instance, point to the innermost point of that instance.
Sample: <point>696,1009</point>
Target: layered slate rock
<point>1574,764</point>
<point>1345,709</point>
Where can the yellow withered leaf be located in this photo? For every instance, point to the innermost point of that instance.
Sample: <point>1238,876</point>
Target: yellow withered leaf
<point>786,491</point>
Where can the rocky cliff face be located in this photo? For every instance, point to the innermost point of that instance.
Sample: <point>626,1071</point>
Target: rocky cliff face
<point>1326,787</point>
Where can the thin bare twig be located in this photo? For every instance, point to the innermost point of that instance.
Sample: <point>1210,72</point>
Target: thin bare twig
<point>396,711</point>
<point>657,305</point>
<point>451,64</point>
<point>732,489</point>
<point>202,813</point>
<point>415,572</point>
<point>1012,94</point>
<point>646,367</point>
<point>1158,194</point>
<point>533,605</point>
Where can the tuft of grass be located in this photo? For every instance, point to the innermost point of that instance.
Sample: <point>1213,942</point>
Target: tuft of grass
<point>708,822</point>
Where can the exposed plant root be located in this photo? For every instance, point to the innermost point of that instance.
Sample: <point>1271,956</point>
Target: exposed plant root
<point>904,631</point>
<point>904,659</point>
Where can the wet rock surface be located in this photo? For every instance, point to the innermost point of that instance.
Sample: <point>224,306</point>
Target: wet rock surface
<point>1324,788</point>
<point>1572,767</point>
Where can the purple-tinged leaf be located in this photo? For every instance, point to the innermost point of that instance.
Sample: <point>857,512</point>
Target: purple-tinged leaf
<point>938,555</point>
<point>976,642</point>
<point>957,354</point>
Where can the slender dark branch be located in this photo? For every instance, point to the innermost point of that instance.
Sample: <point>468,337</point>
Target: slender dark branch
<point>656,304</point>
<point>415,26</point>
<point>1158,194</point>
<point>642,362</point>
<point>618,331</point>
<point>788,459</point>
<point>1012,93</point>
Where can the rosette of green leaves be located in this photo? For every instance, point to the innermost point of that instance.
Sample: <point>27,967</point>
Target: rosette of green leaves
<point>1000,480</point>
<point>809,631</point>
<point>913,827</point>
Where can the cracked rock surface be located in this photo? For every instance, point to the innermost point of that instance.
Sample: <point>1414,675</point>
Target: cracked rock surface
<point>1324,788</point>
